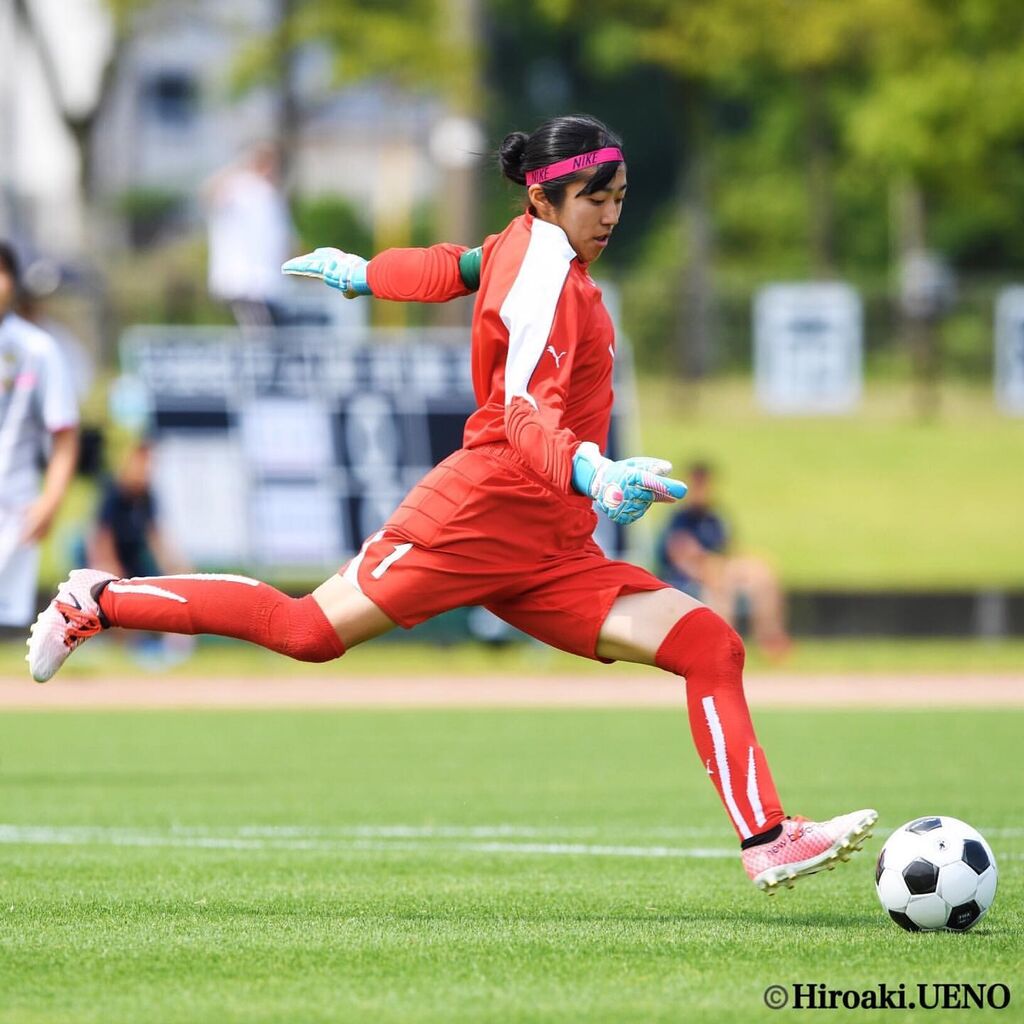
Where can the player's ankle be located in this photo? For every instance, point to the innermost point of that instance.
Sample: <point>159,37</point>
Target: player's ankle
<point>97,591</point>
<point>762,837</point>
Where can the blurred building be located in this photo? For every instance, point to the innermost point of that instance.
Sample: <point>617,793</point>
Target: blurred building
<point>173,113</point>
<point>38,160</point>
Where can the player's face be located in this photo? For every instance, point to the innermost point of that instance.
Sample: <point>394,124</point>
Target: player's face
<point>588,221</point>
<point>6,292</point>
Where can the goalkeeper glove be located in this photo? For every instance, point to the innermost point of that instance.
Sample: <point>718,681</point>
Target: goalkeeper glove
<point>342,270</point>
<point>623,490</point>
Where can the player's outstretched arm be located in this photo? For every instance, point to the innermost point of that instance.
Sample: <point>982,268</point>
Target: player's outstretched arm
<point>434,274</point>
<point>626,489</point>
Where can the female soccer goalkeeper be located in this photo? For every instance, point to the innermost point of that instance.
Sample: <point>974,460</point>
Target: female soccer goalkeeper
<point>507,521</point>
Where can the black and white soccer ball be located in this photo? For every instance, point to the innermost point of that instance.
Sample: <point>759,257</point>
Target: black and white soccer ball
<point>936,873</point>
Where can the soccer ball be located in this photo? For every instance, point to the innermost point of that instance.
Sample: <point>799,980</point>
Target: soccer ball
<point>936,873</point>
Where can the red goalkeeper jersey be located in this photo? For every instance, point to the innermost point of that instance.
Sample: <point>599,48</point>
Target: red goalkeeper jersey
<point>543,343</point>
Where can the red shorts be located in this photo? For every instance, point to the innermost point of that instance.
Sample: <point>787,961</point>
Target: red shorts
<point>482,529</point>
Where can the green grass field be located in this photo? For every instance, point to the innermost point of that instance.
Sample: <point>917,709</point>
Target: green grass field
<point>880,499</point>
<point>504,866</point>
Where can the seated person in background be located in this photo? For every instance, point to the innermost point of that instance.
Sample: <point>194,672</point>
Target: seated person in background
<point>126,539</point>
<point>693,556</point>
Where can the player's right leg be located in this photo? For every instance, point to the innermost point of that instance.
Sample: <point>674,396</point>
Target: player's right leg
<point>466,530</point>
<point>318,627</point>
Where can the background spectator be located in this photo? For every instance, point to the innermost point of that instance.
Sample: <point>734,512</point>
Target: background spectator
<point>126,539</point>
<point>40,282</point>
<point>38,422</point>
<point>693,555</point>
<point>249,236</point>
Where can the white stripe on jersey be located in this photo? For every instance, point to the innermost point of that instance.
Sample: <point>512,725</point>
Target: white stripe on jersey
<point>529,308</point>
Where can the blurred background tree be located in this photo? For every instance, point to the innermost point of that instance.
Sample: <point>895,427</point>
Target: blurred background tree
<point>416,45</point>
<point>799,138</point>
<point>80,119</point>
<point>767,141</point>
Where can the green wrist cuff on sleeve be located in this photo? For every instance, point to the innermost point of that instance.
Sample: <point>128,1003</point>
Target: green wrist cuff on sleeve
<point>469,267</point>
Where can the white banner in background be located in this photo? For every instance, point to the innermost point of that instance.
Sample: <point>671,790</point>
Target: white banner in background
<point>808,348</point>
<point>1009,350</point>
<point>285,448</point>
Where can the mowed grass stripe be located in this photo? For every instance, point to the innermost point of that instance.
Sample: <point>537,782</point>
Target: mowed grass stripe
<point>294,840</point>
<point>29,835</point>
<point>299,837</point>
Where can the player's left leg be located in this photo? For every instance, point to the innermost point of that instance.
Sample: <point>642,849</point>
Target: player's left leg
<point>682,636</point>
<point>589,605</point>
<point>678,634</point>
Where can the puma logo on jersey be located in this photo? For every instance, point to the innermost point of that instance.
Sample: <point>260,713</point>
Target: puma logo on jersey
<point>559,356</point>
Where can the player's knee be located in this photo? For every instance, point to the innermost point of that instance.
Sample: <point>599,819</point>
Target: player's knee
<point>702,643</point>
<point>304,650</point>
<point>728,653</point>
<point>302,631</point>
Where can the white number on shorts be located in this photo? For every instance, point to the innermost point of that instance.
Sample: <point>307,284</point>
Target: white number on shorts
<point>386,563</point>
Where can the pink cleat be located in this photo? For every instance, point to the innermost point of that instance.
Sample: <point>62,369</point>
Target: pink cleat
<point>65,623</point>
<point>806,847</point>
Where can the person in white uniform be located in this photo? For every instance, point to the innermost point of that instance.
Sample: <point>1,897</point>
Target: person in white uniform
<point>38,423</point>
<point>250,236</point>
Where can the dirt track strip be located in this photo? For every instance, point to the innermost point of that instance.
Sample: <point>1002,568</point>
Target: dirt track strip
<point>648,690</point>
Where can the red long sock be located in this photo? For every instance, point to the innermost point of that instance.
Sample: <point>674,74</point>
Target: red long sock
<point>702,647</point>
<point>226,606</point>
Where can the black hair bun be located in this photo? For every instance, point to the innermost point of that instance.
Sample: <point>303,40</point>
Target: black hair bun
<point>511,154</point>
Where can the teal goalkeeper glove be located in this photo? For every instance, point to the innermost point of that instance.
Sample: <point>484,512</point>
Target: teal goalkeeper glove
<point>623,490</point>
<point>342,270</point>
